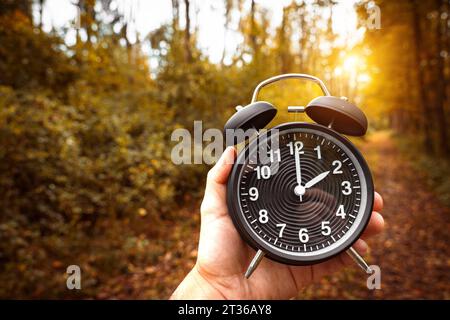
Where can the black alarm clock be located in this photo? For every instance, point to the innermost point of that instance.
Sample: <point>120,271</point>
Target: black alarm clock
<point>310,195</point>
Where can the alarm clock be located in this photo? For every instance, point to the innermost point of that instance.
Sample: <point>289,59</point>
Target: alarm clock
<point>308,194</point>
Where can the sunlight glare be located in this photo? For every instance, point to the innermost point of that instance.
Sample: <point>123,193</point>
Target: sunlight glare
<point>351,63</point>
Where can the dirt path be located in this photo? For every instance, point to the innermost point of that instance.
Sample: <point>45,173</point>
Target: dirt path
<point>413,252</point>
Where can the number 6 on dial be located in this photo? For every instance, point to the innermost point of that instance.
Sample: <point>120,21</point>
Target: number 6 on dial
<point>303,235</point>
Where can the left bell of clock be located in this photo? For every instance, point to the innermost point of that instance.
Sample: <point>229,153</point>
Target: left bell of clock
<point>253,116</point>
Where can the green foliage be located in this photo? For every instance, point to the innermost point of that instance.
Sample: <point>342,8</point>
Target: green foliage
<point>85,168</point>
<point>83,152</point>
<point>29,57</point>
<point>436,170</point>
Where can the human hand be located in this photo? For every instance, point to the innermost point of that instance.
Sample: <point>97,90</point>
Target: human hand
<point>223,256</point>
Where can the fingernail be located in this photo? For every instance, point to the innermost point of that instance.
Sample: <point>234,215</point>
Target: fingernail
<point>228,156</point>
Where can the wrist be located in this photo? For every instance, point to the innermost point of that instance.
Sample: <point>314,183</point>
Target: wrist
<point>196,287</point>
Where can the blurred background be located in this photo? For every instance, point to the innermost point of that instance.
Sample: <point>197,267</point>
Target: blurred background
<point>91,90</point>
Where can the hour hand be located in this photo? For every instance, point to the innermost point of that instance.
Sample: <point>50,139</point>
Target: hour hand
<point>317,179</point>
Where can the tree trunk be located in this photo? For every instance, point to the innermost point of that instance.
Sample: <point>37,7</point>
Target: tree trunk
<point>427,113</point>
<point>175,15</point>
<point>228,8</point>
<point>303,39</point>
<point>440,91</point>
<point>41,12</point>
<point>283,43</point>
<point>187,34</point>
<point>253,36</point>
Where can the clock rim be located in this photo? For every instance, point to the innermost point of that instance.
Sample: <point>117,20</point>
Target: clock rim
<point>257,243</point>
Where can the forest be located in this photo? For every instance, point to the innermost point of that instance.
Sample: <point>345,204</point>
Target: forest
<point>86,176</point>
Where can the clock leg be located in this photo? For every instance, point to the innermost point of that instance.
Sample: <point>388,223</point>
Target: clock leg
<point>359,260</point>
<point>254,264</point>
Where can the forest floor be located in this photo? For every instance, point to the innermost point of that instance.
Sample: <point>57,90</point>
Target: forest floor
<point>413,252</point>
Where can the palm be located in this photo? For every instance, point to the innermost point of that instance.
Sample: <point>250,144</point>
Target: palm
<point>226,256</point>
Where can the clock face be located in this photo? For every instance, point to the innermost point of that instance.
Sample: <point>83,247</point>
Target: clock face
<point>305,196</point>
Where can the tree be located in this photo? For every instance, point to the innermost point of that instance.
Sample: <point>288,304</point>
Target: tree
<point>22,6</point>
<point>187,32</point>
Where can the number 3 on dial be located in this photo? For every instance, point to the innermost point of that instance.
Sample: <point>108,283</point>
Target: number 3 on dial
<point>347,188</point>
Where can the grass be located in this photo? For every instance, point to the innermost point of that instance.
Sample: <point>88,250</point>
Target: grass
<point>436,168</point>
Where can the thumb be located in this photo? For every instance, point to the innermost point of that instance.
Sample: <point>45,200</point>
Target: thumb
<point>214,200</point>
<point>219,173</point>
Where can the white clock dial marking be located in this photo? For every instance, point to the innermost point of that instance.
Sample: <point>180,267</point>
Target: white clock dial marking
<point>334,185</point>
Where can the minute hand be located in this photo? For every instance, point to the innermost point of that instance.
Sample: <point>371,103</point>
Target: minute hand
<point>317,179</point>
<point>298,170</point>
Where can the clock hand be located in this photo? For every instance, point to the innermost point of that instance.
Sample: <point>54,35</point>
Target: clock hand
<point>298,169</point>
<point>317,179</point>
